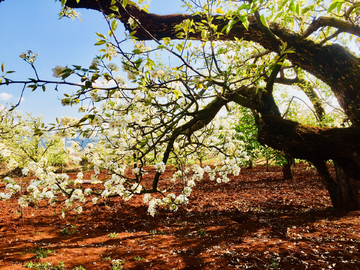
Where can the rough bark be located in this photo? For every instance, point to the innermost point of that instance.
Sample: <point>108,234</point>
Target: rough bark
<point>308,142</point>
<point>288,168</point>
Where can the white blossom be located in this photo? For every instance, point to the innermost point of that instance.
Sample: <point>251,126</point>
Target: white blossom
<point>57,71</point>
<point>113,67</point>
<point>160,167</point>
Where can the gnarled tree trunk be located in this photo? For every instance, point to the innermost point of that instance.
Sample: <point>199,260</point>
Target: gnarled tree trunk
<point>342,145</point>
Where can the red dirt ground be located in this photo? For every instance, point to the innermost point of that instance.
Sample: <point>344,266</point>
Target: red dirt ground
<point>256,221</point>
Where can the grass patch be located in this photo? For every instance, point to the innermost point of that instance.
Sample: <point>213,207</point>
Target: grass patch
<point>44,266</point>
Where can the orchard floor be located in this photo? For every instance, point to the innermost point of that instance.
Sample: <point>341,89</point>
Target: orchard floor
<point>256,221</point>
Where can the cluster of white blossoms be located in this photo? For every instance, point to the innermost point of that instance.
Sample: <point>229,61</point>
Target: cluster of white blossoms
<point>111,50</point>
<point>118,139</point>
<point>4,151</point>
<point>171,200</point>
<point>11,186</point>
<point>141,47</point>
<point>160,167</point>
<point>120,80</point>
<point>133,127</point>
<point>67,121</point>
<point>57,71</point>
<point>124,129</point>
<point>113,67</point>
<point>159,74</point>
<point>97,120</point>
<point>29,57</point>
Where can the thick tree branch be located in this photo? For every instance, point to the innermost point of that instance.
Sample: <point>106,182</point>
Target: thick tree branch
<point>343,26</point>
<point>308,142</point>
<point>271,80</point>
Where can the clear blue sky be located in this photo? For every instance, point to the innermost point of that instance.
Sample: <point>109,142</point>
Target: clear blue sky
<point>34,25</point>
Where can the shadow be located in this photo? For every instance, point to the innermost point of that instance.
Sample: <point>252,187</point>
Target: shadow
<point>249,223</point>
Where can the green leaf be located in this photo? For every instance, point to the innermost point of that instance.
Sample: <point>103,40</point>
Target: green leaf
<point>125,2</point>
<point>43,88</point>
<point>95,76</point>
<point>100,35</point>
<point>65,75</point>
<point>263,20</point>
<point>10,71</point>
<point>100,42</point>
<point>337,3</point>
<point>166,40</point>
<point>229,26</point>
<point>292,6</point>
<point>245,22</point>
<point>339,6</point>
<point>114,25</point>
<point>78,1</point>
<point>297,9</point>
<point>2,67</point>
<point>87,84</point>
<point>114,8</point>
<point>63,2</point>
<point>332,6</point>
<point>176,92</point>
<point>283,4</point>
<point>83,119</point>
<point>179,47</point>
<point>305,9</point>
<point>204,34</point>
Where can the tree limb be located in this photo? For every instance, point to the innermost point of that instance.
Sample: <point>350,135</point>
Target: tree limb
<point>343,26</point>
<point>308,142</point>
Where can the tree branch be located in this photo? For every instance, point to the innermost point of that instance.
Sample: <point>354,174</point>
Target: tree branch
<point>308,142</point>
<point>343,26</point>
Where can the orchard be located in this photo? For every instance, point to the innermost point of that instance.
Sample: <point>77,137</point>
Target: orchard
<point>223,103</point>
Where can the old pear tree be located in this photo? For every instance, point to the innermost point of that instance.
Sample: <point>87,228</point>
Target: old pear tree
<point>228,55</point>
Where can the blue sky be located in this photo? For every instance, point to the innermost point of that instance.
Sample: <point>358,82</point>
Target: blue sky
<point>34,25</point>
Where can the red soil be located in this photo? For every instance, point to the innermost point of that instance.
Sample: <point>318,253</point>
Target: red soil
<point>256,221</point>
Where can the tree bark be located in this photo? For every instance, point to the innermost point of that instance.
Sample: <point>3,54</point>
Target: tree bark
<point>308,142</point>
<point>288,168</point>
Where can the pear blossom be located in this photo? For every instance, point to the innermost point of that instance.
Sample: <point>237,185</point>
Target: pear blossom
<point>57,71</point>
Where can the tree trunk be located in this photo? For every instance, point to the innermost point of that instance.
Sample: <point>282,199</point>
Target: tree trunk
<point>348,184</point>
<point>288,168</point>
<point>344,190</point>
<point>319,145</point>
